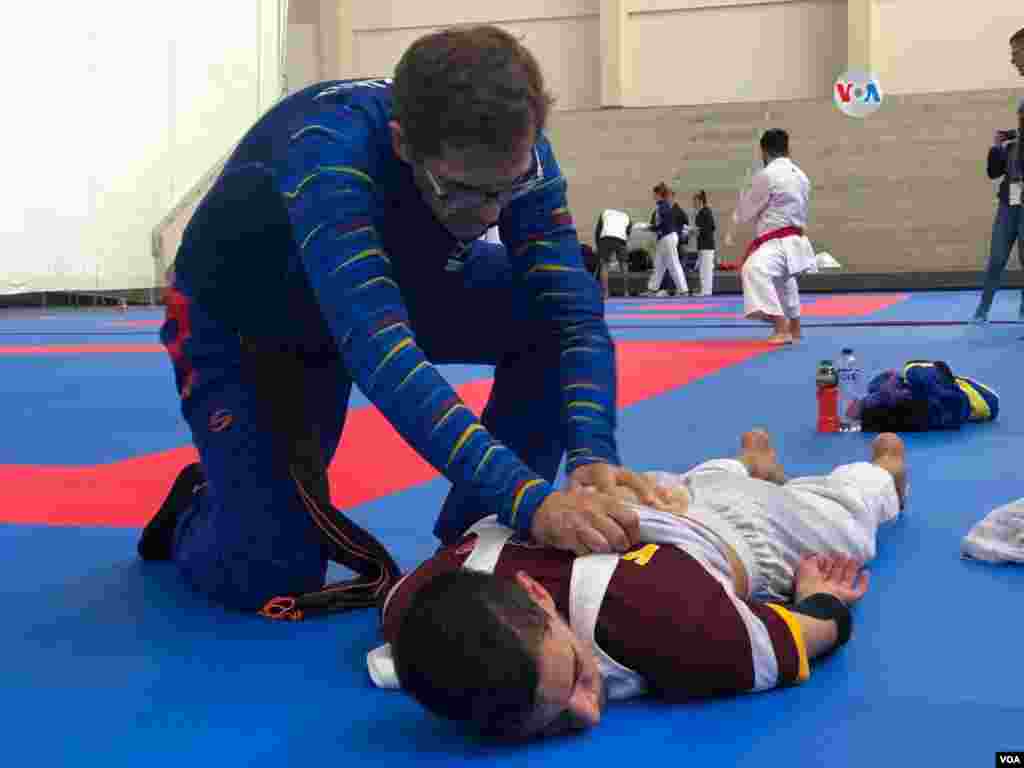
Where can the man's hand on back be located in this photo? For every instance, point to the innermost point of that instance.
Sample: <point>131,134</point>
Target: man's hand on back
<point>606,478</point>
<point>590,517</point>
<point>585,522</point>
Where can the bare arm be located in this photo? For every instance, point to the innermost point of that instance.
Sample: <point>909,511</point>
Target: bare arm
<point>836,575</point>
<point>820,636</point>
<point>754,200</point>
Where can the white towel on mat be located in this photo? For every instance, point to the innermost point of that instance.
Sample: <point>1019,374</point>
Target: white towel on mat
<point>999,537</point>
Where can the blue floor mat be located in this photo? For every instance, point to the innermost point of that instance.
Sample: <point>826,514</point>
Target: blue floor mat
<point>106,659</point>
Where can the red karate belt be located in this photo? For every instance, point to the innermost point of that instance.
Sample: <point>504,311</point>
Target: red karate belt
<point>775,234</point>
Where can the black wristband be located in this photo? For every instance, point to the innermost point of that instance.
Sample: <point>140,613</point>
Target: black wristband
<point>826,606</point>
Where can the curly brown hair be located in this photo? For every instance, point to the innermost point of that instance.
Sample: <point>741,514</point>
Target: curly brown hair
<point>469,87</point>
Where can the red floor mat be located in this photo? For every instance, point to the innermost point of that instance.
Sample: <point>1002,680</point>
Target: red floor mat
<point>77,349</point>
<point>126,493</point>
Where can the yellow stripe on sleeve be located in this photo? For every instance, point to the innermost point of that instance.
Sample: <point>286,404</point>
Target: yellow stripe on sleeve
<point>354,232</point>
<point>368,253</point>
<point>387,328</point>
<point>591,350</point>
<point>341,170</point>
<point>316,129</point>
<point>486,457</point>
<point>585,404</point>
<point>311,235</point>
<point>463,438</point>
<point>519,497</point>
<point>804,671</point>
<point>374,281</point>
<point>391,353</point>
<point>350,171</point>
<point>446,416</point>
<point>552,268</point>
<point>419,367</point>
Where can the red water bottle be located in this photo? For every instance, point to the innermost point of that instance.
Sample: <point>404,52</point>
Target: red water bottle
<point>827,382</point>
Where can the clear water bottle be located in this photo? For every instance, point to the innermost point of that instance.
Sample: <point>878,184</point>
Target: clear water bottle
<point>851,384</point>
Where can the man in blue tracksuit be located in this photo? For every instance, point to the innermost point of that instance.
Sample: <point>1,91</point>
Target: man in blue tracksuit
<point>339,247</point>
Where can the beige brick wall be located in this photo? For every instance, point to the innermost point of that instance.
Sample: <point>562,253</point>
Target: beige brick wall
<point>903,190</point>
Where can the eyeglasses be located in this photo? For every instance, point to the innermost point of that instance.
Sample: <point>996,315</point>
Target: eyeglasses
<point>454,195</point>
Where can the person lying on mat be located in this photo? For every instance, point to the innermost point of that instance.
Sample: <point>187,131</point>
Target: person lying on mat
<point>338,248</point>
<point>927,395</point>
<point>737,589</point>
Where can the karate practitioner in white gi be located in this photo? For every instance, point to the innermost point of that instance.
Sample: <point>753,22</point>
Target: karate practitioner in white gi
<point>778,198</point>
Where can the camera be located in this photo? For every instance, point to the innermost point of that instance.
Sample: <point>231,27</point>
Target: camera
<point>1009,135</point>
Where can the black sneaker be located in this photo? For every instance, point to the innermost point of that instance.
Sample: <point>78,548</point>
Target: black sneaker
<point>157,536</point>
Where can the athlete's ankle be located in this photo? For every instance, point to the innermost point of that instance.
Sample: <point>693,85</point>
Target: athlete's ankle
<point>889,453</point>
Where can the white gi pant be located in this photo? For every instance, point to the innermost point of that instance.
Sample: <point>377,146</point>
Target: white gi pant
<point>666,257</point>
<point>706,267</point>
<point>771,527</point>
<point>769,277</point>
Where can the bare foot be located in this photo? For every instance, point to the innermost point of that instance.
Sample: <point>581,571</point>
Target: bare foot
<point>889,453</point>
<point>757,453</point>
<point>780,339</point>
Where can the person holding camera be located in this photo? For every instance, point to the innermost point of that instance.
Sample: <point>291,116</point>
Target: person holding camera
<point>1004,160</point>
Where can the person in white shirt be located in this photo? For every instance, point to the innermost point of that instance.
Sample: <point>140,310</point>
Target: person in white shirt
<point>778,198</point>
<point>610,236</point>
<point>492,235</point>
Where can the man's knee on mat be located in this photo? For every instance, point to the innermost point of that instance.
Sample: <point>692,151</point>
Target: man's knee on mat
<point>246,581</point>
<point>253,550</point>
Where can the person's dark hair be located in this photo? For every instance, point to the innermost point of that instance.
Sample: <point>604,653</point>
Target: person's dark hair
<point>661,189</point>
<point>702,196</point>
<point>467,651</point>
<point>775,142</point>
<point>1017,37</point>
<point>467,87</point>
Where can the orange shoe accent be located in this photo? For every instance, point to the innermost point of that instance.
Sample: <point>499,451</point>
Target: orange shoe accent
<point>281,609</point>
